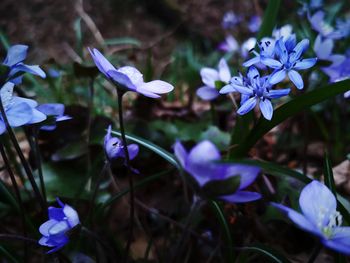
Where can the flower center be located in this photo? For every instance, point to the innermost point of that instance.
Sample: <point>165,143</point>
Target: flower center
<point>335,219</point>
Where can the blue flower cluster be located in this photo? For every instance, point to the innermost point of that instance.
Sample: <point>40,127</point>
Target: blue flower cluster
<point>284,56</point>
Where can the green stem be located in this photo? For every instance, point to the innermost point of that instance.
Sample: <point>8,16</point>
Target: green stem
<point>129,175</point>
<point>22,158</point>
<point>38,164</point>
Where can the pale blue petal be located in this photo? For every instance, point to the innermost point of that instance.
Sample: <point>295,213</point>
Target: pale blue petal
<point>15,54</point>
<point>203,152</point>
<point>31,103</point>
<point>72,216</point>
<point>209,76</point>
<point>275,94</point>
<point>299,50</point>
<point>266,108</point>
<point>101,62</point>
<point>241,197</point>
<point>340,240</point>
<point>227,89</point>
<point>224,71</point>
<point>156,86</point>
<point>32,69</point>
<point>305,63</point>
<point>316,198</point>
<point>300,220</point>
<point>207,93</point>
<point>296,79</point>
<point>121,79</point>
<point>19,114</point>
<point>37,117</point>
<point>281,51</point>
<point>272,63</point>
<point>247,106</point>
<point>253,73</point>
<point>251,61</point>
<point>51,109</point>
<point>45,227</point>
<point>277,76</point>
<point>59,228</point>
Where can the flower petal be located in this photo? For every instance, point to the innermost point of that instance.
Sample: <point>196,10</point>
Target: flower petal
<point>133,150</point>
<point>323,201</point>
<point>272,63</point>
<point>51,109</point>
<point>203,152</point>
<point>252,61</point>
<point>299,50</point>
<point>227,89</point>
<point>180,153</point>
<point>209,76</point>
<point>207,93</point>
<point>277,76</point>
<point>305,63</point>
<point>32,69</point>
<point>2,126</point>
<point>56,213</point>
<point>156,86</point>
<point>15,54</point>
<point>266,108</point>
<point>224,71</point>
<point>101,62</point>
<point>300,220</point>
<point>45,227</point>
<point>324,48</point>
<point>241,197</point>
<point>281,51</point>
<point>247,106</point>
<point>121,79</point>
<point>19,114</point>
<point>253,73</point>
<point>340,241</point>
<point>37,116</point>
<point>59,228</point>
<point>247,173</point>
<point>276,94</point>
<point>296,79</point>
<point>72,215</point>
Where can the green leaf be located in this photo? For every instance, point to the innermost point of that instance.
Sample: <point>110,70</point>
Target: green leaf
<point>287,110</point>
<point>219,138</point>
<point>268,252</point>
<point>70,151</point>
<point>328,174</point>
<point>78,36</point>
<point>223,222</point>
<point>215,188</point>
<point>123,41</point>
<point>154,148</point>
<point>6,254</point>
<point>269,19</point>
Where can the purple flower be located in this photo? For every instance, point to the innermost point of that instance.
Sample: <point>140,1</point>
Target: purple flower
<point>14,60</point>
<point>202,164</point>
<point>129,78</point>
<point>254,90</point>
<point>320,217</point>
<point>229,45</point>
<point>338,72</point>
<point>53,109</point>
<point>114,147</point>
<point>289,60</point>
<point>210,76</point>
<point>230,19</point>
<point>254,24</point>
<point>320,25</point>
<point>323,49</point>
<point>19,111</point>
<point>55,230</point>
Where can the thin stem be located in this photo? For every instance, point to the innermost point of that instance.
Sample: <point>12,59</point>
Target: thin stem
<point>315,252</point>
<point>18,195</point>
<point>91,234</point>
<point>88,130</point>
<point>38,164</point>
<point>181,243</point>
<point>129,175</point>
<point>22,158</point>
